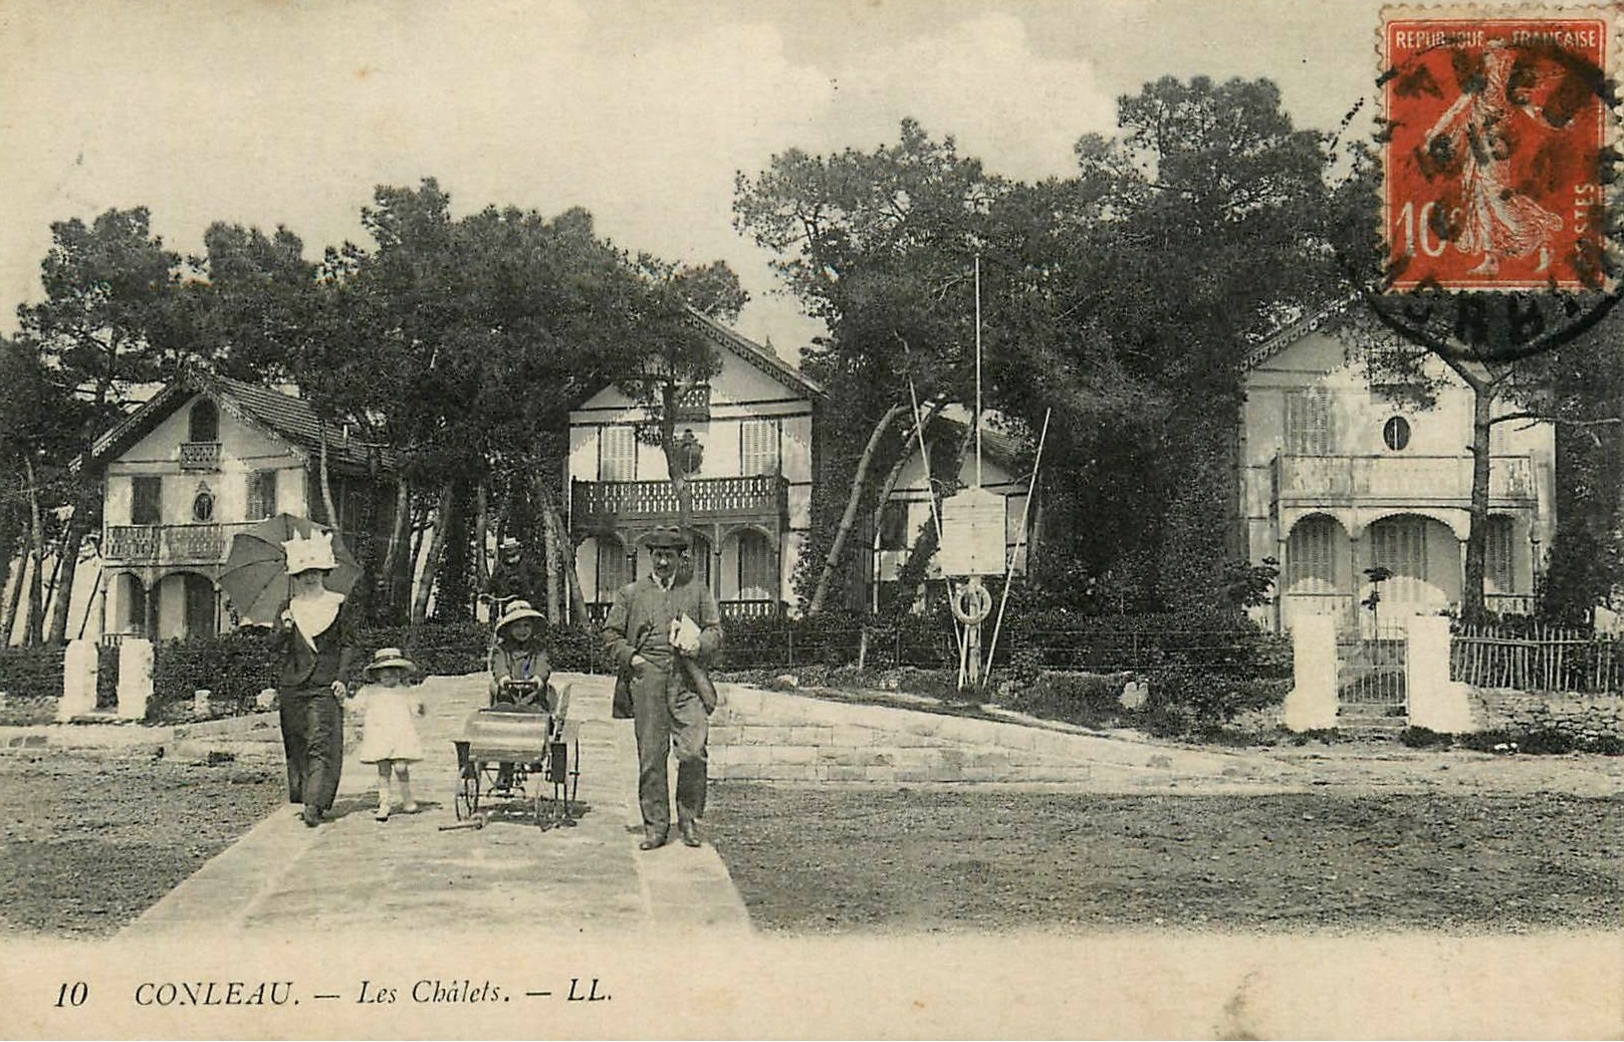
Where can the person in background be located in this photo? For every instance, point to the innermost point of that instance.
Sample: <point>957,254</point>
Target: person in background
<point>316,637</point>
<point>660,632</point>
<point>514,577</point>
<point>388,732</point>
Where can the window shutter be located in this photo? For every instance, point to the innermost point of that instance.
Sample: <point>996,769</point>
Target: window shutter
<point>1308,423</point>
<point>758,447</point>
<point>144,504</point>
<point>617,454</point>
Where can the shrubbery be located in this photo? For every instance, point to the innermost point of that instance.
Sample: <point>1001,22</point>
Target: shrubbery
<point>235,667</point>
<point>31,672</point>
<point>1534,743</point>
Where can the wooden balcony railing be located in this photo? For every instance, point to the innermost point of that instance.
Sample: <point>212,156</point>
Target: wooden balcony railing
<point>169,544</point>
<point>1399,480</point>
<point>199,455</point>
<point>752,609</point>
<point>597,611</point>
<point>599,504</point>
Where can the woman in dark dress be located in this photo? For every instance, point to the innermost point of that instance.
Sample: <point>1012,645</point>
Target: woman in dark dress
<point>316,636</point>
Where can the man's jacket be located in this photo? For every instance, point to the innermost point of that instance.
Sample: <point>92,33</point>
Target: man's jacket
<point>639,623</point>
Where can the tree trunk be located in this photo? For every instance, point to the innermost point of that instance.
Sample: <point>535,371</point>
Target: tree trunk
<point>9,621</point>
<point>853,501</point>
<point>1472,601</point>
<point>482,528</point>
<point>326,482</point>
<point>892,476</point>
<point>550,564</point>
<point>673,466</point>
<point>10,531</point>
<point>392,553</point>
<point>431,566</point>
<point>68,568</point>
<point>566,554</point>
<point>32,628</point>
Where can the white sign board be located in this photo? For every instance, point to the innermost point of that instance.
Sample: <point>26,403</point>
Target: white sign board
<point>972,533</point>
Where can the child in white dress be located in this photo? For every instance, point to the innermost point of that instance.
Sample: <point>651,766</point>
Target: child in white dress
<point>388,733</point>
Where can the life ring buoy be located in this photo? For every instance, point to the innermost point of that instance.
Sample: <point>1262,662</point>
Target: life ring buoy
<point>971,603</point>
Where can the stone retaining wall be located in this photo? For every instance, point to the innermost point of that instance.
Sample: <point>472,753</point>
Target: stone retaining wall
<point>1587,717</point>
<point>760,735</point>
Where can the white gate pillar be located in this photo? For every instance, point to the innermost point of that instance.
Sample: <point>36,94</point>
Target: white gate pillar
<point>1436,702</point>
<point>1311,705</point>
<point>79,666</point>
<point>134,677</point>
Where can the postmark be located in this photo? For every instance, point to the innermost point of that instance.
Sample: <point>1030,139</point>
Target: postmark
<point>1495,148</point>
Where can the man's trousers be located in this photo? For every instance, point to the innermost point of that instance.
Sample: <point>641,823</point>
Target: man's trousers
<point>665,715</point>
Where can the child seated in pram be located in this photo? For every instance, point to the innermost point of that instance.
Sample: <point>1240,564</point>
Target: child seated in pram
<point>520,671</point>
<point>518,662</point>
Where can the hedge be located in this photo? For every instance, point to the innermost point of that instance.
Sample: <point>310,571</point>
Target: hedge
<point>1214,642</point>
<point>236,667</point>
<point>31,672</point>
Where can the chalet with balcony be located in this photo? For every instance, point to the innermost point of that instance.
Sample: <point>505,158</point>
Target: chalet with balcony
<point>1338,477</point>
<point>746,441</point>
<point>203,459</point>
<point>908,509</point>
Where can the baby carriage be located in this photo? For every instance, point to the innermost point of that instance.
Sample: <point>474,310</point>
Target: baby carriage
<point>521,750</point>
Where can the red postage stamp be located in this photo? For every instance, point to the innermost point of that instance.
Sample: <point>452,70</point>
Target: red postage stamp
<point>1496,135</point>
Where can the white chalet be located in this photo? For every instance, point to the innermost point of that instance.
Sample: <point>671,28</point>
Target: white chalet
<point>1336,478</point>
<point>748,437</point>
<point>205,458</point>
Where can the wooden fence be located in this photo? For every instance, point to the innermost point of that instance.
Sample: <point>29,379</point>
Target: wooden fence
<point>1541,659</point>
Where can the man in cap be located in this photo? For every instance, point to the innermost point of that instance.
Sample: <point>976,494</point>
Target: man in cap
<point>513,578</point>
<point>660,632</point>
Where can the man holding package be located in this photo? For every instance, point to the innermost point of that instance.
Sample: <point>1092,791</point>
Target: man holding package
<point>661,632</point>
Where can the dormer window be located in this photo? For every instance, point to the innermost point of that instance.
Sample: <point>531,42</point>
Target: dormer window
<point>1396,433</point>
<point>204,422</point>
<point>201,450</point>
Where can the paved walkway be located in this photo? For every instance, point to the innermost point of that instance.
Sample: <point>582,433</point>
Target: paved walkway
<point>408,874</point>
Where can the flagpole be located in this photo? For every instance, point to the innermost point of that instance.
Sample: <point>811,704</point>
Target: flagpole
<point>978,371</point>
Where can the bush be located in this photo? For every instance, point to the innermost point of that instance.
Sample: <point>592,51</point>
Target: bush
<point>31,672</point>
<point>1209,700</point>
<point>1424,738</point>
<point>1606,745</point>
<point>235,667</point>
<point>107,676</point>
<point>1086,699</point>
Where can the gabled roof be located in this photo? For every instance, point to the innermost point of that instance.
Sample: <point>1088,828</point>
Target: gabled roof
<point>1328,318</point>
<point>753,353</point>
<point>268,411</point>
<point>996,445</point>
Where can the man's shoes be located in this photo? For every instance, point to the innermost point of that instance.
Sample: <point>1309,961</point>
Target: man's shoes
<point>311,816</point>
<point>689,832</point>
<point>652,838</point>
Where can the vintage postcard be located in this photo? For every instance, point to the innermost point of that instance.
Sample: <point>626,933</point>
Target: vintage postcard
<point>811,519</point>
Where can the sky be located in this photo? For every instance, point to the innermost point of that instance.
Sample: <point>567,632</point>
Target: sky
<point>288,112</point>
